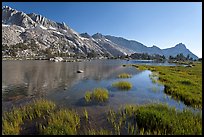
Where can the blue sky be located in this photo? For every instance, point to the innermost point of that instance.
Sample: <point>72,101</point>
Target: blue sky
<point>163,24</point>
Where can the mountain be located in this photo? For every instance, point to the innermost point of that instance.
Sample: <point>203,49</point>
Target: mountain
<point>179,48</point>
<point>35,35</point>
<point>43,35</point>
<point>135,46</point>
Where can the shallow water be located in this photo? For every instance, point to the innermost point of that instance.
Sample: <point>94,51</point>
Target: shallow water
<point>22,80</point>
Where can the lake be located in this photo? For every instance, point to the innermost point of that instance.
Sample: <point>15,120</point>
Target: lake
<point>23,81</point>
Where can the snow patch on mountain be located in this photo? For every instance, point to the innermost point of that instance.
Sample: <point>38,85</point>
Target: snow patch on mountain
<point>58,32</point>
<point>42,27</point>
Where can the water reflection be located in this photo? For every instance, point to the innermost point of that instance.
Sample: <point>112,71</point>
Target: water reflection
<point>61,83</point>
<point>43,76</point>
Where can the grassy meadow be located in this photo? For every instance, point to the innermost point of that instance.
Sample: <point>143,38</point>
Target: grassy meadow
<point>182,83</point>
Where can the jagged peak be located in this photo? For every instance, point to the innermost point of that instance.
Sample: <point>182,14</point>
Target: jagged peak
<point>98,36</point>
<point>85,35</point>
<point>64,25</point>
<point>6,7</point>
<point>33,17</point>
<point>154,46</point>
<point>180,45</point>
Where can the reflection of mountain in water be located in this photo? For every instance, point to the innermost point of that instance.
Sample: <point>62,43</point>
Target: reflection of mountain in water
<point>41,77</point>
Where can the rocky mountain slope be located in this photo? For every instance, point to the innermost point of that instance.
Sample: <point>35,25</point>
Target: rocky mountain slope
<point>18,27</point>
<point>140,48</point>
<point>32,34</point>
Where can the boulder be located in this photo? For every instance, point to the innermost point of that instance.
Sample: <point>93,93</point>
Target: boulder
<point>80,71</point>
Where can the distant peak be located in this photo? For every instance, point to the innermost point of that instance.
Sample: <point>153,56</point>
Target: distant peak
<point>7,8</point>
<point>98,35</point>
<point>154,46</point>
<point>85,35</point>
<point>181,45</point>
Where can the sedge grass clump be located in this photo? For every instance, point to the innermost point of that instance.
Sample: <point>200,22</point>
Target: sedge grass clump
<point>123,85</point>
<point>14,119</point>
<point>38,108</point>
<point>11,122</point>
<point>124,75</point>
<point>63,122</point>
<point>88,96</point>
<point>158,119</point>
<point>98,95</point>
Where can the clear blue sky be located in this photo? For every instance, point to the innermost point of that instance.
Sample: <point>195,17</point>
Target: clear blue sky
<point>163,24</point>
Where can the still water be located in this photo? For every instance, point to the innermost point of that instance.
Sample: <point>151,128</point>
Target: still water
<point>60,82</point>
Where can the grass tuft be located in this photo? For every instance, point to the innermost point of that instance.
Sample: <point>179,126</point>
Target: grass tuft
<point>98,95</point>
<point>88,96</point>
<point>63,122</point>
<point>13,120</point>
<point>123,85</point>
<point>124,75</point>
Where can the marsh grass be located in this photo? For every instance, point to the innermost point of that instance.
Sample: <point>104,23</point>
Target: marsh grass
<point>13,120</point>
<point>123,85</point>
<point>86,116</point>
<point>98,132</point>
<point>155,119</point>
<point>87,96</point>
<point>63,122</point>
<point>150,119</point>
<point>124,75</point>
<point>98,95</point>
<point>180,82</point>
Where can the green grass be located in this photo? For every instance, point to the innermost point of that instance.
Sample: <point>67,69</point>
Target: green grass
<point>182,83</point>
<point>98,95</point>
<point>86,116</point>
<point>124,75</point>
<point>155,119</point>
<point>123,85</point>
<point>13,120</point>
<point>48,120</point>
<point>98,132</point>
<point>87,96</point>
<point>63,122</point>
